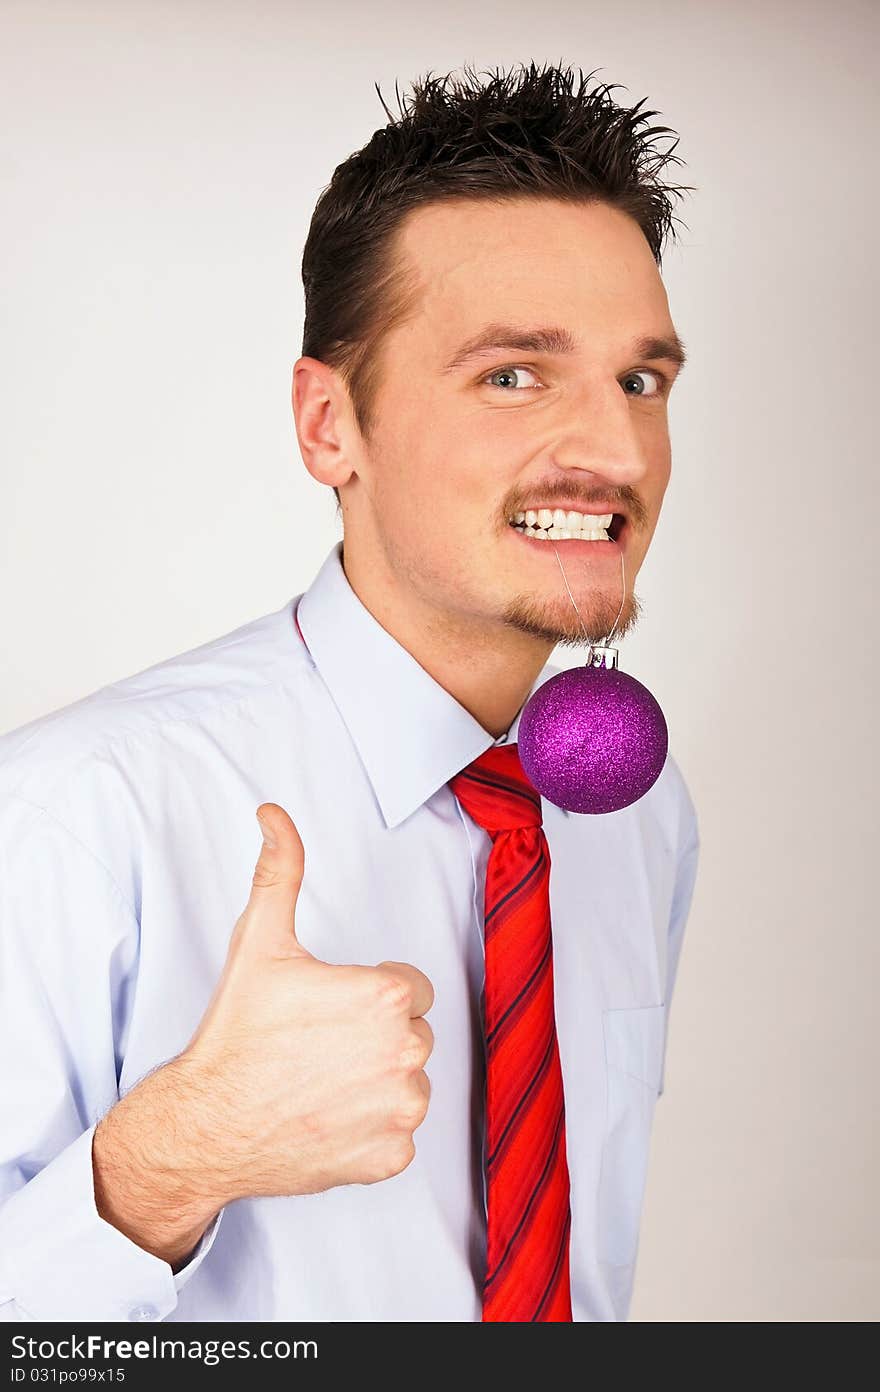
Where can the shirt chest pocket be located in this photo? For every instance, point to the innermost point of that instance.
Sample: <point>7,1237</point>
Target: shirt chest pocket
<point>634,1040</point>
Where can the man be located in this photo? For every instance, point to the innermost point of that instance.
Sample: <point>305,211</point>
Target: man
<point>265,1125</point>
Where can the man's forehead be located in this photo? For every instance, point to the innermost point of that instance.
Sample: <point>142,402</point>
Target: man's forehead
<point>462,231</point>
<point>528,261</point>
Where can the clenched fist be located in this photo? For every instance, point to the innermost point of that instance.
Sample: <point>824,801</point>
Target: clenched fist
<point>315,1073</point>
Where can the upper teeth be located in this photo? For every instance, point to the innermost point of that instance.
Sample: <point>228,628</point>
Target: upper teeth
<point>547,517</point>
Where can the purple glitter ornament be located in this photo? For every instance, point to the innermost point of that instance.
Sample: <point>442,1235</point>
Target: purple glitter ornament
<point>592,739</point>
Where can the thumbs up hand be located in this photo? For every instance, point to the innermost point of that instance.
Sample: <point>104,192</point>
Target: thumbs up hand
<point>306,1075</point>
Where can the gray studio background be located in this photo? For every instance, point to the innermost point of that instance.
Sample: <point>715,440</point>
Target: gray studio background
<point>160,163</point>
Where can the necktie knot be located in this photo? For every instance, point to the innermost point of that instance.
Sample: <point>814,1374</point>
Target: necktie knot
<point>495,791</point>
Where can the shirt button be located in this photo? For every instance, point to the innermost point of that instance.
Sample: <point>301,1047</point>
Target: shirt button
<point>143,1312</point>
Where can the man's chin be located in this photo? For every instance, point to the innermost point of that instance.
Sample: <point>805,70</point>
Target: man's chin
<point>552,624</point>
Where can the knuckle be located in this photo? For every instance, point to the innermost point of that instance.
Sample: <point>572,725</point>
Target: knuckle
<point>264,877</point>
<point>407,1117</point>
<point>376,1168</point>
<point>392,991</point>
<point>399,1155</point>
<point>413,1054</point>
<point>390,1159</point>
<point>412,1113</point>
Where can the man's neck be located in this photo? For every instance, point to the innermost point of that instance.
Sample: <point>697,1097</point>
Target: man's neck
<point>488,669</point>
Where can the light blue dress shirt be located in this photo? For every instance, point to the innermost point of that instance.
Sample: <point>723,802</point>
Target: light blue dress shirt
<point>128,842</point>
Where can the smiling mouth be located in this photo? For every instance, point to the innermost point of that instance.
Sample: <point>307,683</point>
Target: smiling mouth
<point>597,536</point>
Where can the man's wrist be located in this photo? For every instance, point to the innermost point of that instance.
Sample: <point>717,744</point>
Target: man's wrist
<point>154,1175</point>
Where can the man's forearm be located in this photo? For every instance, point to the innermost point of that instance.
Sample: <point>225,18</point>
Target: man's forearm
<point>153,1178</point>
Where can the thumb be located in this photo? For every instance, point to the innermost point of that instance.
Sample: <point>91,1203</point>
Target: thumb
<point>278,877</point>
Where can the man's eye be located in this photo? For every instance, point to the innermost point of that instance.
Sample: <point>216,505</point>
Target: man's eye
<point>507,372</point>
<point>631,376</point>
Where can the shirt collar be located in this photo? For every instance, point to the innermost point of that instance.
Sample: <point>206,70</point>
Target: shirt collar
<point>412,736</point>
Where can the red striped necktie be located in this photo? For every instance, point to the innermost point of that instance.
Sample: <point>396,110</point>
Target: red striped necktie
<point>527,1184</point>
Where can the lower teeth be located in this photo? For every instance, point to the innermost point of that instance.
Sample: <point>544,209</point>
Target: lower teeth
<point>562,533</point>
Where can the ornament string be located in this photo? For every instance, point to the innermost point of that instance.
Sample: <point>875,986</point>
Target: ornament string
<point>605,641</point>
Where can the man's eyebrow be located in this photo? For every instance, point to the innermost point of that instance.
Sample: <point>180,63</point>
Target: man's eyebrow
<point>511,337</point>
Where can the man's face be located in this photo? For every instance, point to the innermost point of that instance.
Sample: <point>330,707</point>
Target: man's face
<point>458,451</point>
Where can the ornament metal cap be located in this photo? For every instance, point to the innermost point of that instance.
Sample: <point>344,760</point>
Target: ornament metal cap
<point>598,652</point>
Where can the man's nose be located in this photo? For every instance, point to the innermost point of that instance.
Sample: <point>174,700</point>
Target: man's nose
<point>599,437</point>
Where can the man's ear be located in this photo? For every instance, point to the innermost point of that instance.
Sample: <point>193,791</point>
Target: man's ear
<point>323,419</point>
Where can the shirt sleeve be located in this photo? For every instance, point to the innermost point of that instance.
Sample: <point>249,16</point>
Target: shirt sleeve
<point>68,965</point>
<point>685,881</point>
